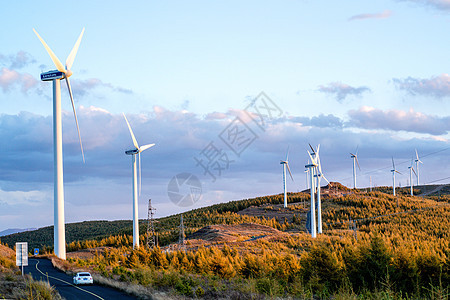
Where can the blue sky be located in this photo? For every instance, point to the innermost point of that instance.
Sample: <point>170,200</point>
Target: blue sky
<point>372,74</point>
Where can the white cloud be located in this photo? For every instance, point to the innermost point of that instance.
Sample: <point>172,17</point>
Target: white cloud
<point>11,78</point>
<point>438,86</point>
<point>383,15</point>
<point>342,90</point>
<point>372,118</point>
<point>438,4</point>
<point>32,198</point>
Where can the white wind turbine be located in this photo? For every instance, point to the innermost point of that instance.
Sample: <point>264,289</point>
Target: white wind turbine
<point>411,170</point>
<point>137,150</point>
<point>311,168</point>
<point>393,176</point>
<point>56,76</point>
<point>417,161</point>
<point>355,161</point>
<point>319,175</point>
<point>285,164</point>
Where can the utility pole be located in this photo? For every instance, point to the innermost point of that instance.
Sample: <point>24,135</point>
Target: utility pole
<point>151,236</point>
<point>181,241</point>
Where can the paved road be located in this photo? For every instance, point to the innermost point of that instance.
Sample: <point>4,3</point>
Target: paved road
<point>39,268</point>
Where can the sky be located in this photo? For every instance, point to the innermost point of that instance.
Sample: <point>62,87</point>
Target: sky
<point>223,88</point>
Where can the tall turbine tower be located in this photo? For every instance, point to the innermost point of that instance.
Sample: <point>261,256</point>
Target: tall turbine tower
<point>417,161</point>
<point>58,182</point>
<point>319,175</point>
<point>411,170</point>
<point>285,164</point>
<point>137,150</point>
<point>355,161</point>
<point>311,167</point>
<point>393,176</point>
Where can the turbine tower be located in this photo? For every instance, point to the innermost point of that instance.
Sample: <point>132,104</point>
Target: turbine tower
<point>285,164</point>
<point>137,150</point>
<point>318,175</point>
<point>311,167</point>
<point>355,161</point>
<point>411,170</point>
<point>393,176</point>
<point>417,161</point>
<point>58,181</point>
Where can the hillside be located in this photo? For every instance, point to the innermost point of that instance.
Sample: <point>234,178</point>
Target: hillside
<point>373,246</point>
<point>43,237</point>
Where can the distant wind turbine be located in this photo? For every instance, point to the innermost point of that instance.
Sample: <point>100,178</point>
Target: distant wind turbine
<point>411,170</point>
<point>417,161</point>
<point>312,167</point>
<point>285,164</point>
<point>56,76</point>
<point>393,176</point>
<point>355,161</point>
<point>318,176</point>
<point>137,150</point>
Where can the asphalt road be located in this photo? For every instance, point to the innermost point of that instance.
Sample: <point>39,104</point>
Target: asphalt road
<point>40,268</point>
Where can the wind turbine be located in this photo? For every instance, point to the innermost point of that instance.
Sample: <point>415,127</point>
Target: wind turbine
<point>58,186</point>
<point>393,176</point>
<point>318,176</point>
<point>311,167</point>
<point>411,170</point>
<point>285,164</point>
<point>417,161</point>
<point>355,161</point>
<point>137,150</point>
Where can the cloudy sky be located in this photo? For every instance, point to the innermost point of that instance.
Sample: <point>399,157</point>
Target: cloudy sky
<point>222,88</point>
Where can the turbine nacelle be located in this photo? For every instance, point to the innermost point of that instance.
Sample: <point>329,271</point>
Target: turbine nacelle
<point>132,152</point>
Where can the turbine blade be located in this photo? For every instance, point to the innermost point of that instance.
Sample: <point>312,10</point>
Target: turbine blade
<point>73,53</point>
<point>131,132</point>
<point>417,155</point>
<point>287,154</point>
<point>312,149</point>
<point>356,152</point>
<point>318,148</point>
<point>356,157</point>
<point>145,147</point>
<point>54,58</point>
<point>414,171</point>
<point>287,165</point>
<point>75,115</point>
<point>393,165</point>
<point>325,179</point>
<point>312,159</point>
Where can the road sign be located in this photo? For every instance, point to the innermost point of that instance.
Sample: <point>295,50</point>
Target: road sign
<point>22,254</point>
<point>36,251</point>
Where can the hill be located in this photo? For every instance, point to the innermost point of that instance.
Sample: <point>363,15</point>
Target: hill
<point>373,246</point>
<point>14,230</point>
<point>43,237</point>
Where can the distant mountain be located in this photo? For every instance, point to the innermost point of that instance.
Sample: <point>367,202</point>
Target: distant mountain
<point>15,230</point>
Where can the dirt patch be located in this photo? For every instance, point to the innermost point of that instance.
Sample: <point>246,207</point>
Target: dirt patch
<point>233,233</point>
<point>6,251</point>
<point>87,253</point>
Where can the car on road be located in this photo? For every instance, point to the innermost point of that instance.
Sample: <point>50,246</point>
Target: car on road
<point>83,278</point>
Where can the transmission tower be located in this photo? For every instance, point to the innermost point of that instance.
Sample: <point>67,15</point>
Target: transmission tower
<point>181,241</point>
<point>151,236</point>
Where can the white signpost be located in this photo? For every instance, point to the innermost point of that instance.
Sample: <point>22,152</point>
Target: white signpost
<point>22,254</point>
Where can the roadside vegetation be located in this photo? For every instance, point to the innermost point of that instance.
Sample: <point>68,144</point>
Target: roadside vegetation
<point>14,286</point>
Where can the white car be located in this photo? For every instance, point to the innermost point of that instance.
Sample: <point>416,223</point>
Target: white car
<point>83,278</point>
